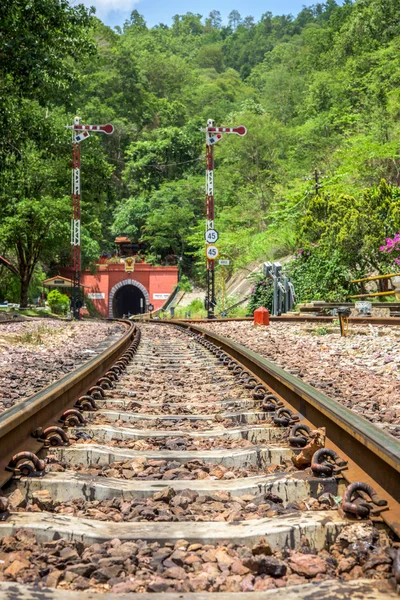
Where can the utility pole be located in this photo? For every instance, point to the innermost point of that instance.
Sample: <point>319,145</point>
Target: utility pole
<point>213,135</point>
<point>79,133</point>
<point>317,185</point>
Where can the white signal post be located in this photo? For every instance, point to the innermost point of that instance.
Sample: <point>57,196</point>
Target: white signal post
<point>79,133</point>
<point>213,135</point>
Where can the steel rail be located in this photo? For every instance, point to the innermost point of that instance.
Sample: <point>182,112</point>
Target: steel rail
<point>373,456</point>
<point>46,407</point>
<point>389,321</point>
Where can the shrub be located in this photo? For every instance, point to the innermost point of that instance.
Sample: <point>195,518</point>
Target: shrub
<point>320,275</point>
<point>261,294</point>
<point>58,302</point>
<point>184,284</point>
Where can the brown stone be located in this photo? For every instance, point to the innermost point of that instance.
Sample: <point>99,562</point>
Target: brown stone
<point>53,578</point>
<point>175,573</point>
<point>17,499</point>
<point>43,499</point>
<point>317,441</point>
<point>262,548</point>
<point>307,565</point>
<point>238,568</point>
<point>164,495</point>
<point>16,566</point>
<point>346,564</point>
<point>223,558</point>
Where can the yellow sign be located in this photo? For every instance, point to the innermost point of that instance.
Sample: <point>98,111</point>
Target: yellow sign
<point>212,252</point>
<point>129,265</point>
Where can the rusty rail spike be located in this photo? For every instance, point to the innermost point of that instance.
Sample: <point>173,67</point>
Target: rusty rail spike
<point>285,417</point>
<point>359,506</point>
<point>299,435</point>
<point>105,383</point>
<point>96,392</point>
<point>54,435</point>
<point>326,468</point>
<point>26,467</point>
<point>72,418</point>
<point>112,375</point>
<point>86,403</point>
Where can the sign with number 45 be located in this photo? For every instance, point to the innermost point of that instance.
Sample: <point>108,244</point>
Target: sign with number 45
<point>212,252</point>
<point>211,236</point>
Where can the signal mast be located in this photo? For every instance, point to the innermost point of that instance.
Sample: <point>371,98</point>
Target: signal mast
<point>213,135</point>
<point>79,133</point>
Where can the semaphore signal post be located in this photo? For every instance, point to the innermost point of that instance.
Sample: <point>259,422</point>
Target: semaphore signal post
<point>213,135</point>
<point>79,133</point>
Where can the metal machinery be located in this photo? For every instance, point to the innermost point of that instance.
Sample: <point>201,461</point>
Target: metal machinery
<point>284,295</point>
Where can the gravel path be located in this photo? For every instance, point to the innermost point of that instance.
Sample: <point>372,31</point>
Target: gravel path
<point>35,353</point>
<point>361,371</point>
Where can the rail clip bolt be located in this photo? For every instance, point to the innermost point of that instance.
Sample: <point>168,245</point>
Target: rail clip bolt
<point>284,417</point>
<point>26,463</point>
<point>250,383</point>
<point>270,403</point>
<point>72,418</point>
<point>86,403</point>
<point>360,507</point>
<point>53,436</point>
<point>326,468</point>
<point>299,435</point>
<point>112,375</point>
<point>259,392</point>
<point>96,392</point>
<point>105,383</point>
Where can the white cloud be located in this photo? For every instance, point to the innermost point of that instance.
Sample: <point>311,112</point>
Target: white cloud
<point>105,7</point>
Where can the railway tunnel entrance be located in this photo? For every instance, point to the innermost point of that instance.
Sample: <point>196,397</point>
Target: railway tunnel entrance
<point>128,299</point>
<point>128,296</point>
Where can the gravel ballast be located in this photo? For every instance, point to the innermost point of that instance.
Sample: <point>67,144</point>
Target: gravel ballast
<point>37,352</point>
<point>360,371</point>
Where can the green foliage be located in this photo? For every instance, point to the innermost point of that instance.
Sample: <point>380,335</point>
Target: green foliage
<point>319,90</point>
<point>184,284</point>
<point>356,225</point>
<point>320,331</point>
<point>91,308</point>
<point>261,294</point>
<point>319,274</point>
<point>195,309</point>
<point>58,302</point>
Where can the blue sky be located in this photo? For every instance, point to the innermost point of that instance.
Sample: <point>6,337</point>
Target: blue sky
<point>114,12</point>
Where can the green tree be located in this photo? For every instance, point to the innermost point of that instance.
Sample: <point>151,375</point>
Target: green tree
<point>33,223</point>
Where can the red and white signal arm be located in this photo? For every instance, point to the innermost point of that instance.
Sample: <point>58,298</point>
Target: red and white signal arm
<point>212,252</point>
<point>108,129</point>
<point>241,130</point>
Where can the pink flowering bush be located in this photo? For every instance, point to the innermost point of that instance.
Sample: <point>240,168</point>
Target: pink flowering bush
<point>392,244</point>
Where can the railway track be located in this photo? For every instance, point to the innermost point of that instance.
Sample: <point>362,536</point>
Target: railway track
<point>178,462</point>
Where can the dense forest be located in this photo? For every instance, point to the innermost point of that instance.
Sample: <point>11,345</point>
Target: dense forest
<point>317,176</point>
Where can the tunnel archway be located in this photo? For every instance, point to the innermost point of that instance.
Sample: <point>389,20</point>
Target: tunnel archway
<point>128,300</point>
<point>126,296</point>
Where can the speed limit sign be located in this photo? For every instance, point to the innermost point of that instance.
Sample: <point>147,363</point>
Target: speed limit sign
<point>211,236</point>
<point>212,252</point>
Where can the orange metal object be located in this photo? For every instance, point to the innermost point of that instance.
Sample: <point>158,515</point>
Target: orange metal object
<point>261,316</point>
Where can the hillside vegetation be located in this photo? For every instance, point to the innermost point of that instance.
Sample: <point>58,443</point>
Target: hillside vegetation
<point>316,176</point>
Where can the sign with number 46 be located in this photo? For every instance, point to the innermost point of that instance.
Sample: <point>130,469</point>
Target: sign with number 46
<point>212,252</point>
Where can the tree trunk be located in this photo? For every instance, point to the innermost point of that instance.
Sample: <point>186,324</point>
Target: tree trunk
<point>25,279</point>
